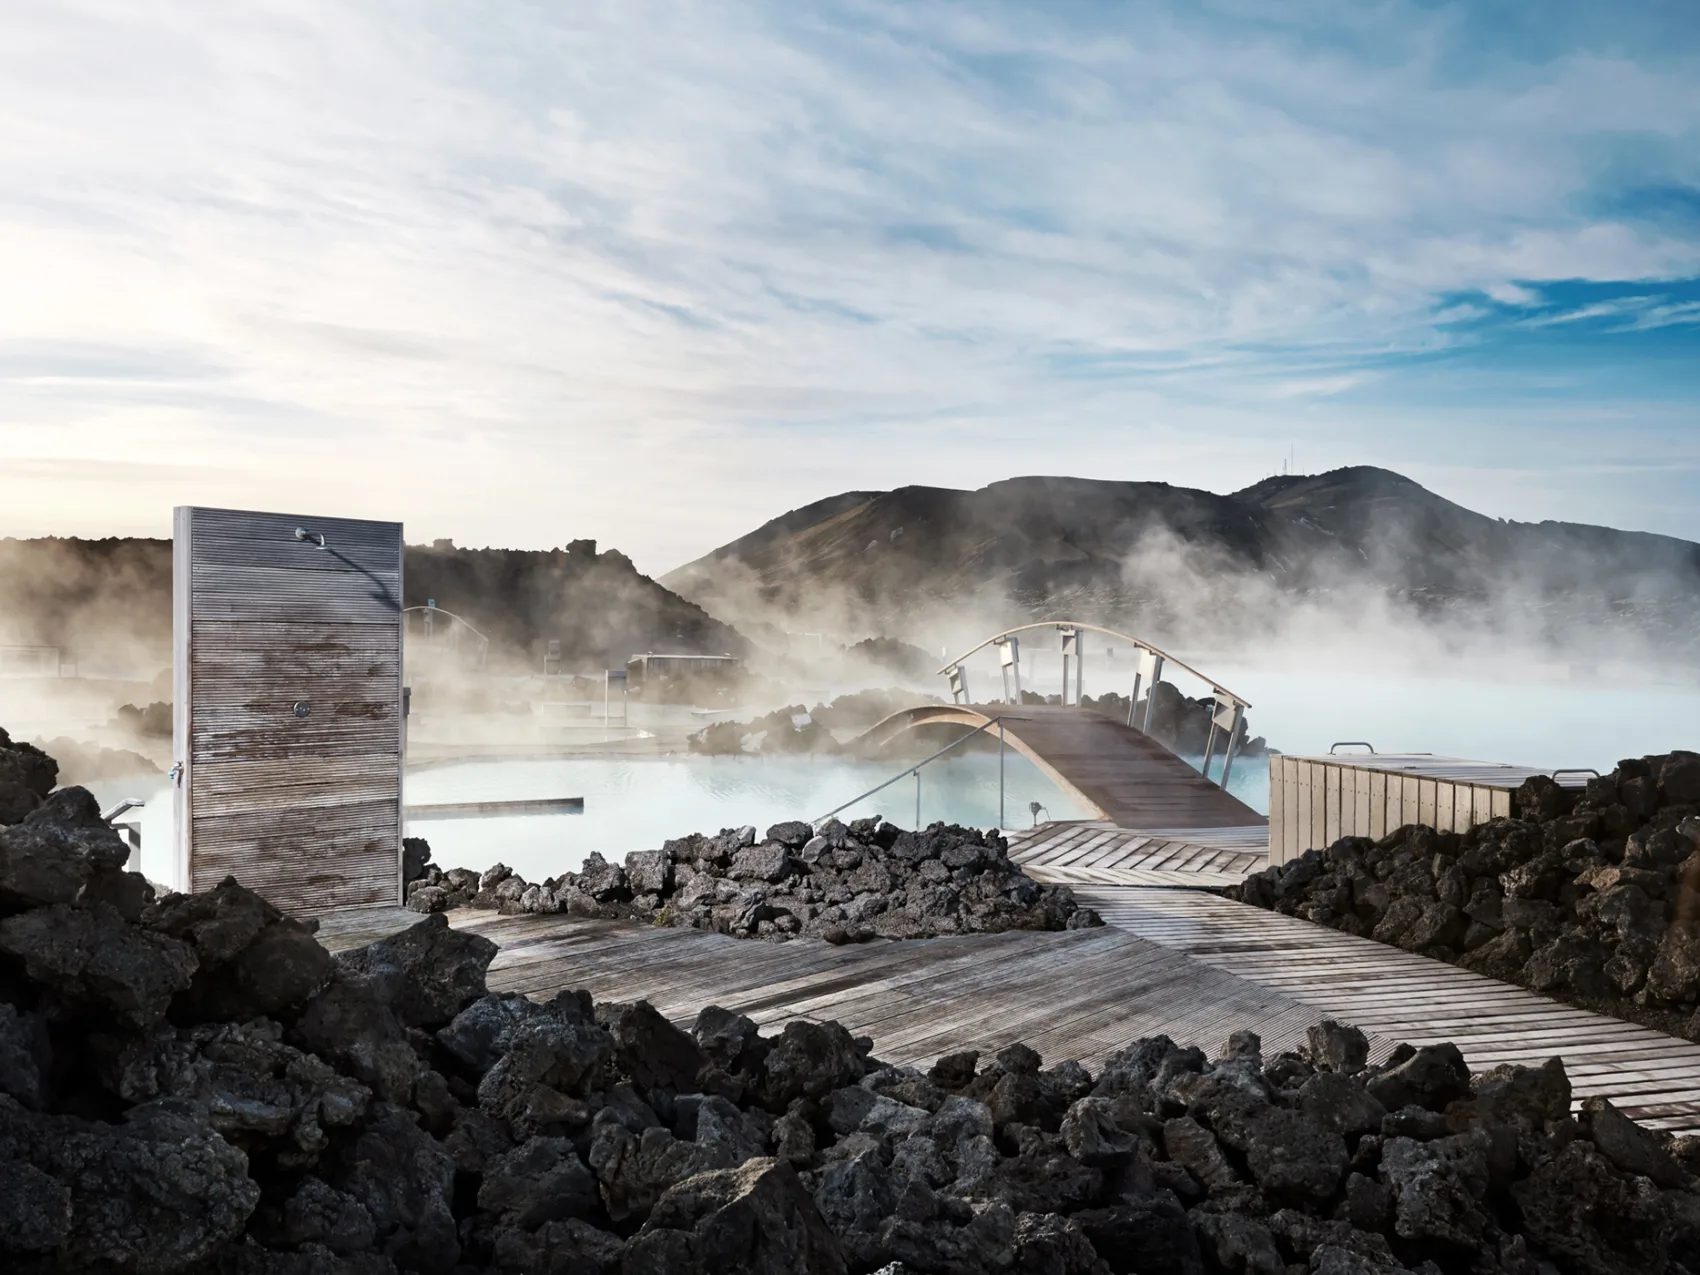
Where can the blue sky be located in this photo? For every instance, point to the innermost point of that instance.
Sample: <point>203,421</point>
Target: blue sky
<point>655,272</point>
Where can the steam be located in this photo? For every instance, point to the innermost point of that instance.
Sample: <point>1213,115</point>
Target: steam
<point>1218,579</point>
<point>1238,587</point>
<point>105,603</point>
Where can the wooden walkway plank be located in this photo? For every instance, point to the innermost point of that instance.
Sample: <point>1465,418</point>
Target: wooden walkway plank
<point>1182,962</point>
<point>1400,995</point>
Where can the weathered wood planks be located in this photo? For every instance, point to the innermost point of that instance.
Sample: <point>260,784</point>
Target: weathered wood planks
<point>1102,854</point>
<point>1179,962</point>
<point>1402,996</point>
<point>1080,994</point>
<point>288,667</point>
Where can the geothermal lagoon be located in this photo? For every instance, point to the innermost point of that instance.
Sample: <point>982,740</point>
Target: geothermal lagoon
<point>638,802</point>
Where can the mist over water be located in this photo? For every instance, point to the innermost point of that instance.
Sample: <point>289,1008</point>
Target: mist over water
<point>1528,722</point>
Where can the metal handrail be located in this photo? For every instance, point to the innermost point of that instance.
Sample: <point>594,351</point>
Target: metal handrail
<point>130,829</point>
<point>1575,770</point>
<point>483,653</point>
<point>1351,743</point>
<point>459,619</point>
<point>1215,689</point>
<point>916,771</point>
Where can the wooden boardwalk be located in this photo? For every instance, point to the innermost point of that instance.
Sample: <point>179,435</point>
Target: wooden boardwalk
<point>1126,776</point>
<point>1180,962</point>
<point>1080,994</point>
<point>1099,853</point>
<point>1401,996</point>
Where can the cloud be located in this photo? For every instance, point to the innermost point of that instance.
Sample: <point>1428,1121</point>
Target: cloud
<point>551,271</point>
<point>1512,294</point>
<point>1322,386</point>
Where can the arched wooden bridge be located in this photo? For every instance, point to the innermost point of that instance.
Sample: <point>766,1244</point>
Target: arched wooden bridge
<point>1129,778</point>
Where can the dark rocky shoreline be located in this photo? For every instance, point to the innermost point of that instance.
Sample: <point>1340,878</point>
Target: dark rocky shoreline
<point>1591,897</point>
<point>845,884</point>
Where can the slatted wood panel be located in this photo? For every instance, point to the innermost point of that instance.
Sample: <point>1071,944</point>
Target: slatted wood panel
<point>305,810</point>
<point>1102,854</point>
<point>1402,996</point>
<point>1314,801</point>
<point>1081,994</point>
<point>1126,776</point>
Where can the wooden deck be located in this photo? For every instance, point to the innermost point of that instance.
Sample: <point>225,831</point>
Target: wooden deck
<point>1127,777</point>
<point>1401,996</point>
<point>1081,994</point>
<point>1181,962</point>
<point>1099,853</point>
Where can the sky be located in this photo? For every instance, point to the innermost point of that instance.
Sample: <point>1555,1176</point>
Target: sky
<point>655,272</point>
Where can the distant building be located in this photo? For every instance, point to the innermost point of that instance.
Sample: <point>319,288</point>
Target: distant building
<point>657,676</point>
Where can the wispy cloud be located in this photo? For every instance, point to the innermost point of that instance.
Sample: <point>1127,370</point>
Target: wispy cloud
<point>527,273</point>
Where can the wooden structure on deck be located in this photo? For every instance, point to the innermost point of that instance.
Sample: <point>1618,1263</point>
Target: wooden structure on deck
<point>288,731</point>
<point>1314,801</point>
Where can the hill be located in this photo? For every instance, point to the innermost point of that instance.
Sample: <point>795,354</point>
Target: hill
<point>107,603</point>
<point>1194,565</point>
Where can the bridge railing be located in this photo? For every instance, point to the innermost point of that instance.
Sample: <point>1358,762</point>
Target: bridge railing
<point>1227,716</point>
<point>452,628</point>
<point>916,771</point>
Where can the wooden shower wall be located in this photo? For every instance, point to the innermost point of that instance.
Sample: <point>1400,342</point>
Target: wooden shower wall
<point>301,804</point>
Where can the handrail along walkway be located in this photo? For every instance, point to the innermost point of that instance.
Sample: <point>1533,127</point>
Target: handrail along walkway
<point>916,771</point>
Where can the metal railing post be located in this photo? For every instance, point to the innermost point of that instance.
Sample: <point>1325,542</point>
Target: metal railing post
<point>1233,740</point>
<point>1000,774</point>
<point>1151,695</point>
<point>1009,661</point>
<point>1140,655</point>
<point>917,799</point>
<point>959,685</point>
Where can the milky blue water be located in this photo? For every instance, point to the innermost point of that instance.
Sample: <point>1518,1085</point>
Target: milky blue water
<point>637,803</point>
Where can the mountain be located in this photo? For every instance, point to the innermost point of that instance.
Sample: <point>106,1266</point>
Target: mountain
<point>1193,563</point>
<point>597,605</point>
<point>107,603</point>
